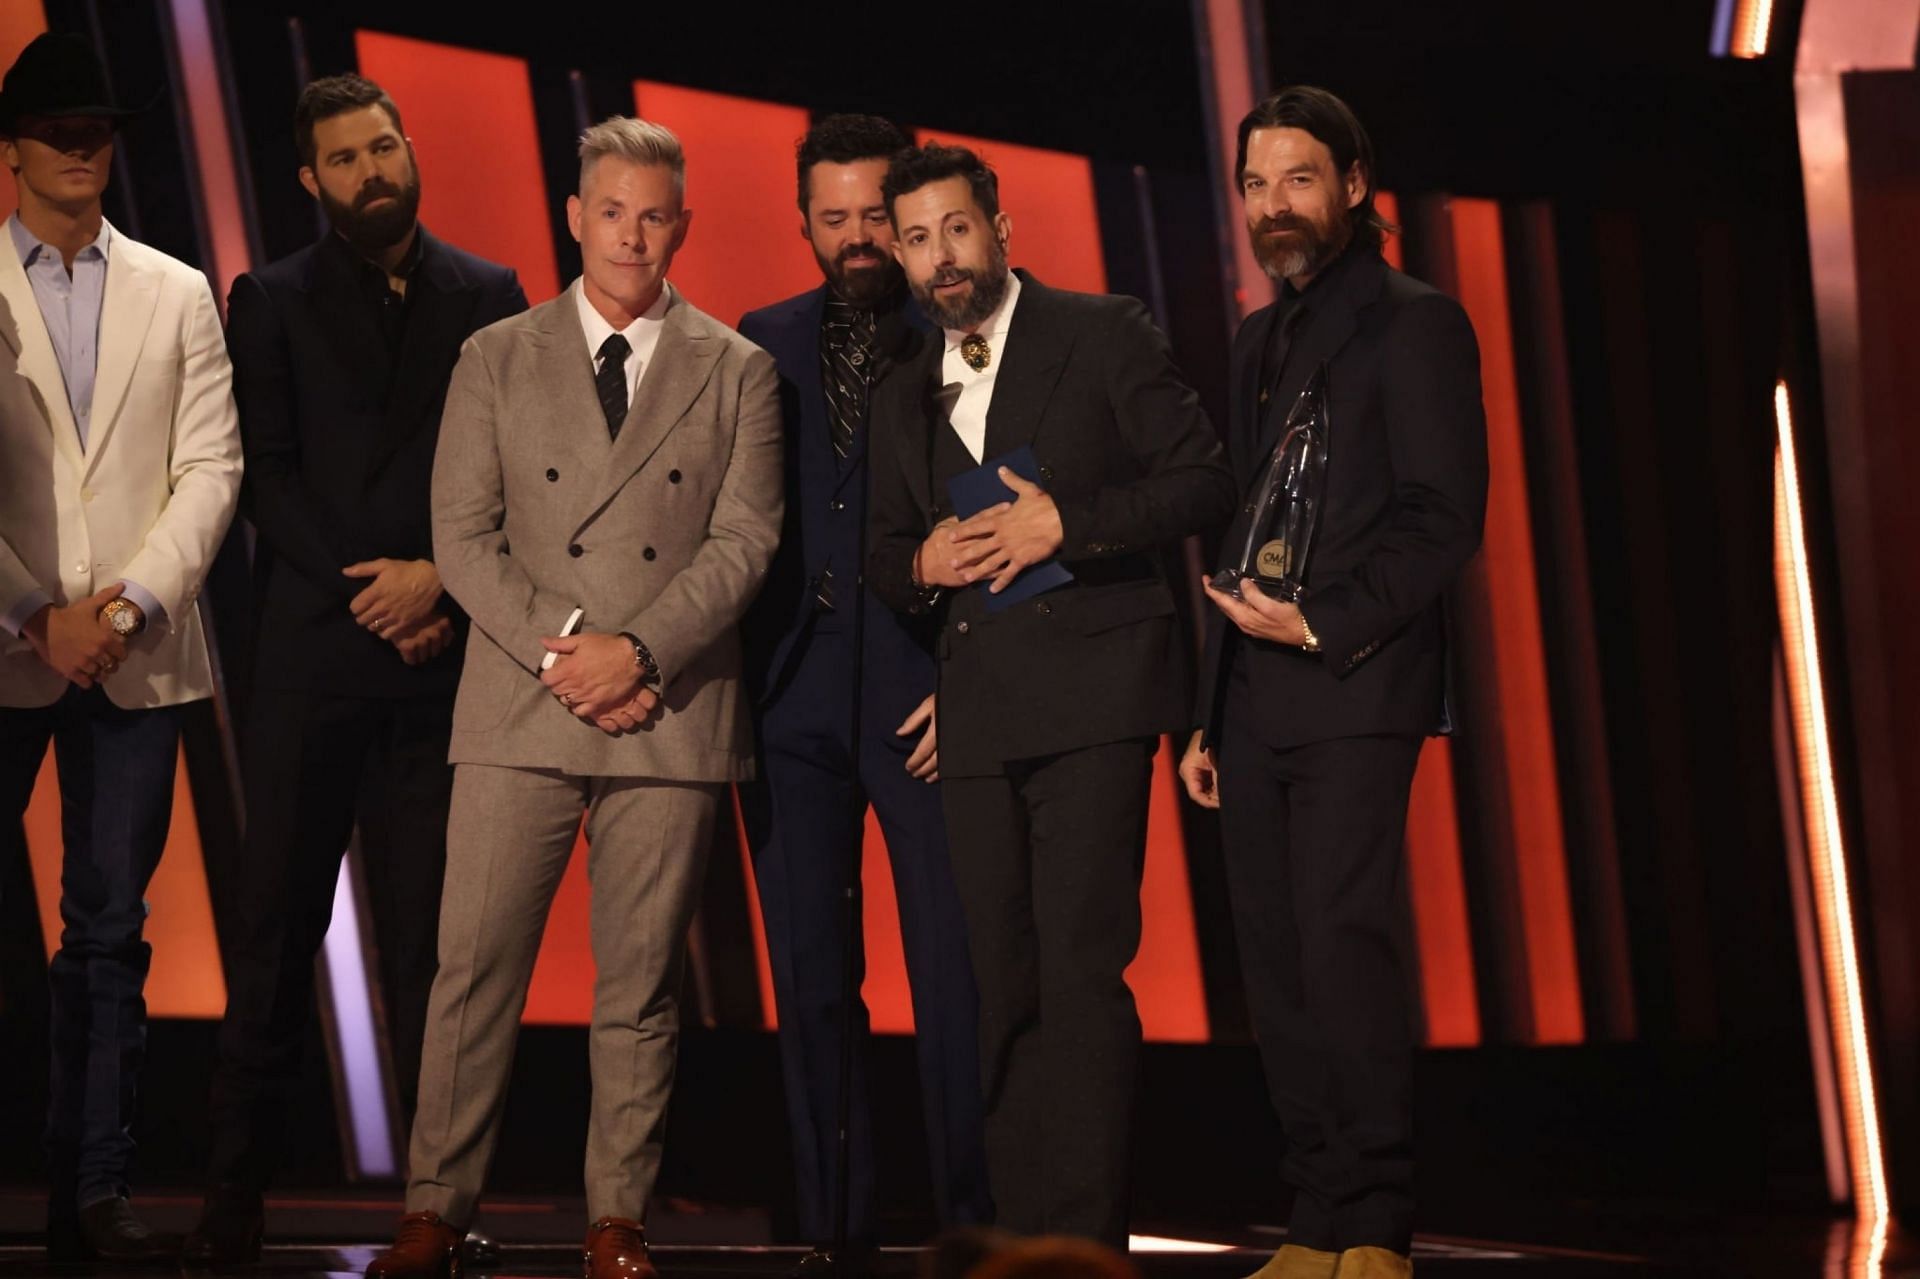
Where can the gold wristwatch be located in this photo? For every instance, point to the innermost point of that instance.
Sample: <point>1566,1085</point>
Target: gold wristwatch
<point>124,616</point>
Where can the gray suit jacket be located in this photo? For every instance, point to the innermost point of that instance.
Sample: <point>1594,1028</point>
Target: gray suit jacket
<point>667,533</point>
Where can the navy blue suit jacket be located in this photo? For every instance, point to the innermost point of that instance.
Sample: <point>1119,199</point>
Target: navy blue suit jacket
<point>826,508</point>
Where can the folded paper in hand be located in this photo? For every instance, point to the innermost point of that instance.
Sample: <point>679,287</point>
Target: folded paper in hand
<point>972,492</point>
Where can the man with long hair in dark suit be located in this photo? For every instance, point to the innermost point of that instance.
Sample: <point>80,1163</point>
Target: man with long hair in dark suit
<point>1313,712</point>
<point>342,353</point>
<point>1051,708</point>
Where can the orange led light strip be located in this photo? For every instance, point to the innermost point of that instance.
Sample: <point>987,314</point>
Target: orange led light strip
<point>1751,24</point>
<point>1826,851</point>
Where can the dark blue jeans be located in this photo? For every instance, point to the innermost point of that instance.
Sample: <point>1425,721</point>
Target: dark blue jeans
<point>116,771</point>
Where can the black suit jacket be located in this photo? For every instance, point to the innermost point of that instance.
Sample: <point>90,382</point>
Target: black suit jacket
<point>1405,499</point>
<point>820,533</point>
<point>1127,453</point>
<point>339,436</point>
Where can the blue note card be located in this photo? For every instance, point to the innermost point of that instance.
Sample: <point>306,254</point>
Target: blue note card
<point>974,491</point>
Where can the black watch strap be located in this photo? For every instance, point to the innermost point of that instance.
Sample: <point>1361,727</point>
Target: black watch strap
<point>643,658</point>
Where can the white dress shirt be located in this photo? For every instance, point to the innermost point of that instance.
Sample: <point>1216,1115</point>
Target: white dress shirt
<point>969,415</point>
<point>642,335</point>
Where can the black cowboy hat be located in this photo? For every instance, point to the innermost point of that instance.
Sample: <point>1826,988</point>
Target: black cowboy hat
<point>57,75</point>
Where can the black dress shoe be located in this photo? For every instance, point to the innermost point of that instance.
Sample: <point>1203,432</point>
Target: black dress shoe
<point>232,1221</point>
<point>479,1252</point>
<point>108,1231</point>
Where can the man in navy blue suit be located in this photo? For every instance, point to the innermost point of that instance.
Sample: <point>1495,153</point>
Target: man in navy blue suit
<point>809,656</point>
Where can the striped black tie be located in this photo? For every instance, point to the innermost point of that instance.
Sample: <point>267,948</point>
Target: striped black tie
<point>846,359</point>
<point>611,382</point>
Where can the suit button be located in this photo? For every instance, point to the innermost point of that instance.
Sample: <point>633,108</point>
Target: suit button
<point>553,476</point>
<point>836,506</point>
<point>1046,475</point>
<point>86,495</point>
<point>647,554</point>
<point>673,477</point>
<point>576,550</point>
<point>1043,608</point>
<point>962,628</point>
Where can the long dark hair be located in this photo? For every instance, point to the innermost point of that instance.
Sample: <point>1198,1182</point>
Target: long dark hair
<point>1333,123</point>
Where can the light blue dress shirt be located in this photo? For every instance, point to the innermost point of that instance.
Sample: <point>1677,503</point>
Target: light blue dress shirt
<point>70,305</point>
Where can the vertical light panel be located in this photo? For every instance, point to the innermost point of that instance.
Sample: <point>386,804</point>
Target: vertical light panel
<point>1526,720</point>
<point>1230,84</point>
<point>220,199</point>
<point>470,118</point>
<point>1752,28</point>
<point>1165,975</point>
<point>1049,197</point>
<point>360,1081</point>
<point>1437,886</point>
<point>1826,846</point>
<point>185,979</point>
<point>744,248</point>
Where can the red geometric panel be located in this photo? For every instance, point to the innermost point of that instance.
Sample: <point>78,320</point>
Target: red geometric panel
<point>1526,721</point>
<point>1438,888</point>
<point>470,117</point>
<point>743,249</point>
<point>1048,196</point>
<point>20,22</point>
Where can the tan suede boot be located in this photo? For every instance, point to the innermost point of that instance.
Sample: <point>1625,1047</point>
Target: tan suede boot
<point>1373,1263</point>
<point>1296,1262</point>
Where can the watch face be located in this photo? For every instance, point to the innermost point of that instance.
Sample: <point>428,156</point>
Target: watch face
<point>121,619</point>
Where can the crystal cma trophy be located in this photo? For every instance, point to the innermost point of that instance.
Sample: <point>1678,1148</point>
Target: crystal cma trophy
<point>1284,514</point>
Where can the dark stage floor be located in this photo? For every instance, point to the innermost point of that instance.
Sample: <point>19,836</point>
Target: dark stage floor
<point>337,1233</point>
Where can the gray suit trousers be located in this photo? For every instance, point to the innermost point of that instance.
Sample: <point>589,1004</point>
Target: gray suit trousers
<point>508,838</point>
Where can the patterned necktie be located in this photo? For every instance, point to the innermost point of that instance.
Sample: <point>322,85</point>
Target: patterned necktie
<point>611,382</point>
<point>846,369</point>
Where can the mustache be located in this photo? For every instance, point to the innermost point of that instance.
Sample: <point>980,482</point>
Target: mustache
<point>949,276</point>
<point>859,253</point>
<point>1282,222</point>
<point>376,188</point>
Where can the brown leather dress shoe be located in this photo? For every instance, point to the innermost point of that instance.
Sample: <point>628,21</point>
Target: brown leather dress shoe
<point>616,1248</point>
<point>1296,1262</point>
<point>425,1248</point>
<point>1374,1263</point>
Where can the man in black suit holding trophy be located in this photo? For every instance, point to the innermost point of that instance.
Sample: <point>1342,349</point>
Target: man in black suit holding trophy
<point>1312,708</point>
<point>1057,424</point>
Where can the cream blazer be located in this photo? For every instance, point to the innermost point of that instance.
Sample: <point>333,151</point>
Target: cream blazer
<point>151,496</point>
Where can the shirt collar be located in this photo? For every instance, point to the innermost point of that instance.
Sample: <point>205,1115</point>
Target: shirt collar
<point>367,269</point>
<point>30,247</point>
<point>995,326</point>
<point>595,326</point>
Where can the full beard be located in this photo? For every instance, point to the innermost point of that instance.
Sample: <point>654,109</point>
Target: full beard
<point>861,286</point>
<point>1307,252</point>
<point>373,231</point>
<point>981,301</point>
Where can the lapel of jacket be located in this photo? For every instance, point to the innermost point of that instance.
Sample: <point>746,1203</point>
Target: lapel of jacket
<point>1037,349</point>
<point>1248,413</point>
<point>568,404</point>
<point>1332,327</point>
<point>126,313</point>
<point>25,333</point>
<point>682,362</point>
<point>908,391</point>
<point>439,309</point>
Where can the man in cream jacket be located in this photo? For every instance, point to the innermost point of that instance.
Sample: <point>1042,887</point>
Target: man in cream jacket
<point>119,469</point>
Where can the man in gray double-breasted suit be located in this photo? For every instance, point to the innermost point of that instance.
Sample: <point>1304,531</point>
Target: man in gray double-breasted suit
<point>617,452</point>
